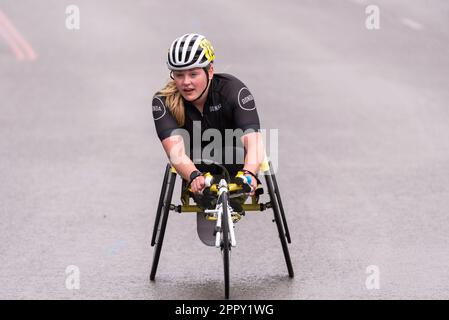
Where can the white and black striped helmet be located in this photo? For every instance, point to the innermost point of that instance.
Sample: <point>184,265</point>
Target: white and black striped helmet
<point>190,51</point>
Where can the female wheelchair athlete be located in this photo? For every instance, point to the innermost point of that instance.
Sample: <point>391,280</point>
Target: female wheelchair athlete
<point>216,226</point>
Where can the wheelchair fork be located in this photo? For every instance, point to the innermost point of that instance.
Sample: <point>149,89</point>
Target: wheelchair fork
<point>218,212</point>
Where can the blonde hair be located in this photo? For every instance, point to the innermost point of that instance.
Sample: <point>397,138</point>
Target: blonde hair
<point>173,101</point>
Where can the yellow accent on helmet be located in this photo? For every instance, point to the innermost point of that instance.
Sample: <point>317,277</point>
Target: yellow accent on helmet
<point>208,49</point>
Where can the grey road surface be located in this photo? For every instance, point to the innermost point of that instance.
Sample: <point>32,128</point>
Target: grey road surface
<point>363,149</point>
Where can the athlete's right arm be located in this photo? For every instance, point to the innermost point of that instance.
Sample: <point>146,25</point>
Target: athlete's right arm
<point>172,143</point>
<point>174,148</point>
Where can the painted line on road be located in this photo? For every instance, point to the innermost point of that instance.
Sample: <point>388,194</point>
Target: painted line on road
<point>18,44</point>
<point>359,1</point>
<point>12,44</point>
<point>411,24</point>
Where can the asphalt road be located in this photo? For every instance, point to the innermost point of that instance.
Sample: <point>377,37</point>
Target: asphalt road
<point>362,118</point>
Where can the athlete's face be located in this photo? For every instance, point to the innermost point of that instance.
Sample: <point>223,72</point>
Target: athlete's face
<point>191,83</point>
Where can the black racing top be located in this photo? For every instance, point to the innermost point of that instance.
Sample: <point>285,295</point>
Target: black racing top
<point>229,105</point>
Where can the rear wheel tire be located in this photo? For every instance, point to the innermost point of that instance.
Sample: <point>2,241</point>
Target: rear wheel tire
<point>157,221</point>
<point>161,233</point>
<point>280,227</point>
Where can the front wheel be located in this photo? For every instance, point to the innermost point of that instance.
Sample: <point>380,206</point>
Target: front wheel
<point>225,245</point>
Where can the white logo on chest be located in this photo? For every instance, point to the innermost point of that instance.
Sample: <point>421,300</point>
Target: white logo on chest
<point>215,108</point>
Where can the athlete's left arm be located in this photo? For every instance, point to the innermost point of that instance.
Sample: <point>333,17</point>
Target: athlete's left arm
<point>246,118</point>
<point>255,151</point>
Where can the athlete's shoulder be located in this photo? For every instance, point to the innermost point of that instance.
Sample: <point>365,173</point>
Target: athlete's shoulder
<point>158,96</point>
<point>228,86</point>
<point>235,91</point>
<point>227,80</point>
<point>158,105</point>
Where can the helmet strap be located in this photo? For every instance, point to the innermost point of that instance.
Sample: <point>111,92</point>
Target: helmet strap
<point>207,86</point>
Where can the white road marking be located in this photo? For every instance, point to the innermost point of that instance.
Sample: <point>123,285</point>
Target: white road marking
<point>411,24</point>
<point>359,1</point>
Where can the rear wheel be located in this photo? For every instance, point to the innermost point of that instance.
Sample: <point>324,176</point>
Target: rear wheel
<point>157,221</point>
<point>280,227</point>
<point>281,207</point>
<point>161,232</point>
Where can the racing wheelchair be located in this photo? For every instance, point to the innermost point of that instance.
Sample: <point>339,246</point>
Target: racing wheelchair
<point>215,223</point>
